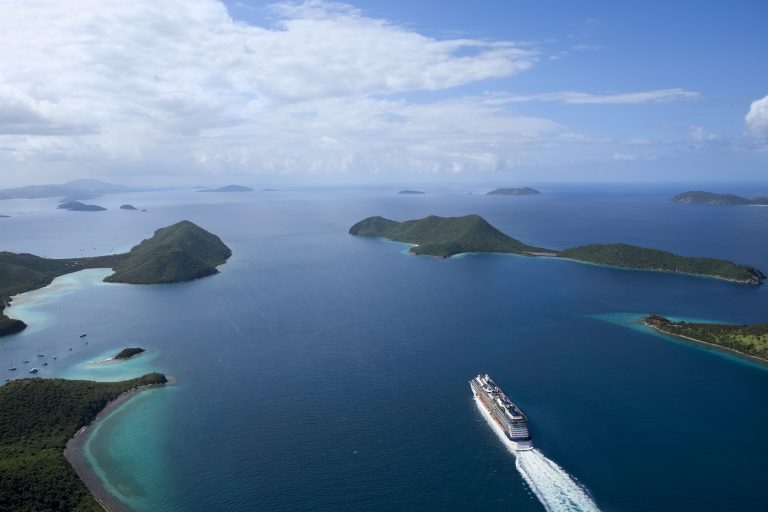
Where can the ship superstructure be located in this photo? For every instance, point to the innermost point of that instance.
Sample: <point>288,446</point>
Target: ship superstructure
<point>506,415</point>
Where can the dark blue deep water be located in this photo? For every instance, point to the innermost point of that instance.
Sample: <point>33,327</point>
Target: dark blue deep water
<point>325,372</point>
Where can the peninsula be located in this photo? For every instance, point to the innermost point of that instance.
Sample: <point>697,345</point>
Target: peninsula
<point>177,253</point>
<point>77,206</point>
<point>524,191</point>
<point>702,197</point>
<point>445,236</point>
<point>746,340</point>
<point>229,188</point>
<point>37,419</point>
<point>641,258</point>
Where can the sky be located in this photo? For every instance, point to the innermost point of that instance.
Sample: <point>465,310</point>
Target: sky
<point>205,92</point>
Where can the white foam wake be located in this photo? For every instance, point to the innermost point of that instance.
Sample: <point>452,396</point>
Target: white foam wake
<point>554,488</point>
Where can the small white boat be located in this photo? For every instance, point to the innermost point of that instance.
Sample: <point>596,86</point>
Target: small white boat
<point>34,370</point>
<point>84,335</point>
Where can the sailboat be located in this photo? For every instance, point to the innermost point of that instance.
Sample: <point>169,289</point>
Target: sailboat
<point>12,368</point>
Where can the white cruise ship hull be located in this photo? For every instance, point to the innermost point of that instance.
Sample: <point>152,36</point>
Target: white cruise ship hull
<point>512,445</point>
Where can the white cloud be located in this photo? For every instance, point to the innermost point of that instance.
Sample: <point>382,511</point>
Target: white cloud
<point>583,98</point>
<point>757,117</point>
<point>180,83</point>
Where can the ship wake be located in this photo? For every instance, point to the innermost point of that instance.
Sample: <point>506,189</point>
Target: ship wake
<point>553,486</point>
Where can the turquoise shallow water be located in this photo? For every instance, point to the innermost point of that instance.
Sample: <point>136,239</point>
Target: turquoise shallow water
<point>321,371</point>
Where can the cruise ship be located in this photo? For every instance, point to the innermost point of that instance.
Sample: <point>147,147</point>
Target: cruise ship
<point>505,415</point>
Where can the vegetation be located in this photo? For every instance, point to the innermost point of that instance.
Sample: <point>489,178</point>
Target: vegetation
<point>37,418</point>
<point>525,191</point>
<point>127,207</point>
<point>751,340</point>
<point>443,236</point>
<point>127,353</point>
<point>77,206</point>
<point>630,256</point>
<point>177,253</point>
<point>702,197</point>
<point>181,252</point>
<point>230,188</point>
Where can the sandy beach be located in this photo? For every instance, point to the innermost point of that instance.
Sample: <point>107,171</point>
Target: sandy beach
<point>75,453</point>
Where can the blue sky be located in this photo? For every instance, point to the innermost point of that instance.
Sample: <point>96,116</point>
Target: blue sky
<point>523,91</point>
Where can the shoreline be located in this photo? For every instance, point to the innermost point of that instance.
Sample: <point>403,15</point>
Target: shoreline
<point>715,346</point>
<point>74,452</point>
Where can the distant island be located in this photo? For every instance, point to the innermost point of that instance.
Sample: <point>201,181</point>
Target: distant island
<point>4,216</point>
<point>702,197</point>
<point>747,340</point>
<point>37,419</point>
<point>177,253</point>
<point>410,192</point>
<point>128,353</point>
<point>79,189</point>
<point>524,191</point>
<point>229,188</point>
<point>445,236</point>
<point>269,190</point>
<point>128,207</point>
<point>77,206</point>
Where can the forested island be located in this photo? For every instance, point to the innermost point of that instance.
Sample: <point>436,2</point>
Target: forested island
<point>749,340</point>
<point>512,191</point>
<point>445,236</point>
<point>702,197</point>
<point>37,419</point>
<point>128,207</point>
<point>229,188</point>
<point>177,253</point>
<point>129,352</point>
<point>77,206</point>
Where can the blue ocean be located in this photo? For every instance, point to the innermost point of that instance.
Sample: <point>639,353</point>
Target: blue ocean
<point>325,372</point>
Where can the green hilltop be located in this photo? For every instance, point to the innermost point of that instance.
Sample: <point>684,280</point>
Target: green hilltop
<point>177,253</point>
<point>37,419</point>
<point>443,236</point>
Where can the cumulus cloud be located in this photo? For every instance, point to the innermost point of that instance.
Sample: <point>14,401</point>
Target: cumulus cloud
<point>757,117</point>
<point>181,81</point>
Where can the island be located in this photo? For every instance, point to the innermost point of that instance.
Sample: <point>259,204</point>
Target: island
<point>128,207</point>
<point>745,340</point>
<point>641,258</point>
<point>77,206</point>
<point>524,191</point>
<point>446,236</point>
<point>37,419</point>
<point>4,216</point>
<point>229,188</point>
<point>702,197</point>
<point>269,190</point>
<point>410,192</point>
<point>81,189</point>
<point>128,353</point>
<point>178,253</point>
